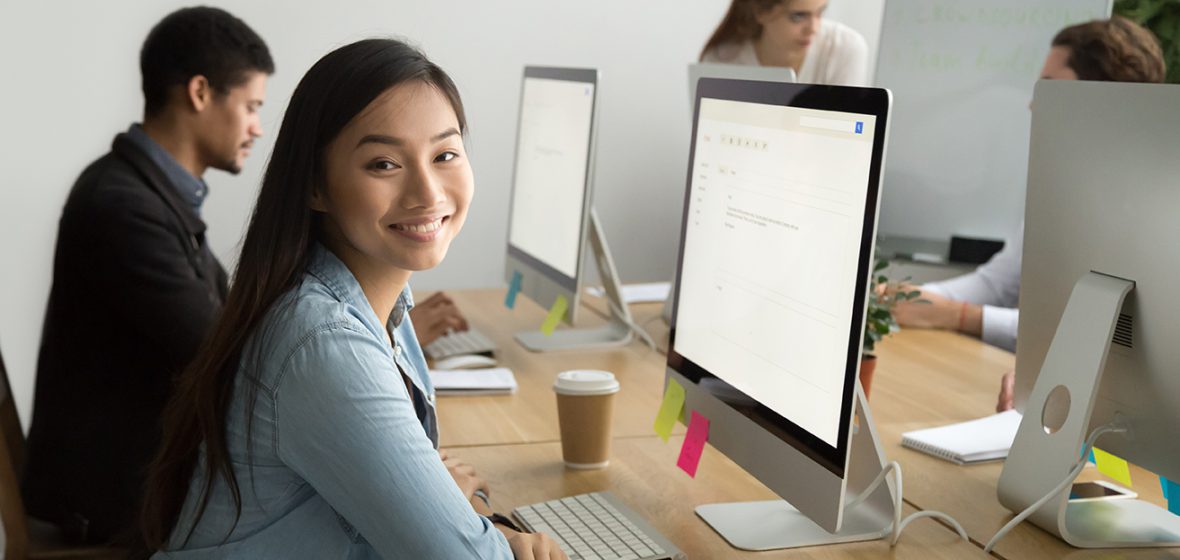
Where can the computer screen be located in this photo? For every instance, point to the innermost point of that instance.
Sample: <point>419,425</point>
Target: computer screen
<point>552,157</point>
<point>776,248</point>
<point>552,222</point>
<point>772,243</point>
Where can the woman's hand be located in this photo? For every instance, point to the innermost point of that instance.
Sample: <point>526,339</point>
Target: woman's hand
<point>464,475</point>
<point>436,316</point>
<point>532,546</point>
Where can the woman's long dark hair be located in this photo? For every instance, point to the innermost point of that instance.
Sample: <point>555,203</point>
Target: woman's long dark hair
<point>274,254</point>
<point>739,24</point>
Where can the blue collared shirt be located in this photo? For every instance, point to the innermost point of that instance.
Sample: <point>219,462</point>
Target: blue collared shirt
<point>342,460</point>
<point>191,188</point>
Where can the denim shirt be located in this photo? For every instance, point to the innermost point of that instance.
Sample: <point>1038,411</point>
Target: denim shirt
<point>191,188</point>
<point>342,460</point>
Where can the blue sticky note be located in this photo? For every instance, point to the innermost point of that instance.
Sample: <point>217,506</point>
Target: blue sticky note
<point>1092,459</point>
<point>1172,494</point>
<point>860,127</point>
<point>513,289</point>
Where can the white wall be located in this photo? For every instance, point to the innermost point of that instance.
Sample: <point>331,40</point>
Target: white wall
<point>70,81</point>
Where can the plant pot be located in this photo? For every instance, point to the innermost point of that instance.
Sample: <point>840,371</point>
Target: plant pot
<point>868,365</point>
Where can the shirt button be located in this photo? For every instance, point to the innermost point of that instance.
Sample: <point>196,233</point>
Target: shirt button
<point>397,350</point>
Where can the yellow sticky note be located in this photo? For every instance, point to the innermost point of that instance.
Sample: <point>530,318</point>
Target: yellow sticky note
<point>555,315</point>
<point>670,409</point>
<point>1113,466</point>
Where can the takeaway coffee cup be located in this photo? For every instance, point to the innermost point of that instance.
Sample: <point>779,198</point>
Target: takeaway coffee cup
<point>585,399</point>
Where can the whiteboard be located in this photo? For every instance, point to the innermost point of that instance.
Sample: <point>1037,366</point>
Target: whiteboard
<point>962,75</point>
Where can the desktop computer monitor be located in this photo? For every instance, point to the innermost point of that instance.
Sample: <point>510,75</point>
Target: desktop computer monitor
<point>551,216</point>
<point>775,254</point>
<point>1099,315</point>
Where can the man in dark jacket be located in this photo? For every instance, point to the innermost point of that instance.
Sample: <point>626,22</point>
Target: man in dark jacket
<point>135,286</point>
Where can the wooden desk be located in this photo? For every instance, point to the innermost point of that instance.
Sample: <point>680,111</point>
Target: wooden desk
<point>643,474</point>
<point>923,379</point>
<point>530,416</point>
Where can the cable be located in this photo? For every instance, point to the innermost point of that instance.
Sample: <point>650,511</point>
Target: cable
<point>622,317</point>
<point>647,323</point>
<point>898,523</point>
<point>1113,427</point>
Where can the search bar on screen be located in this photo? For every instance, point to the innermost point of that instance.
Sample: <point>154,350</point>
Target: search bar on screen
<point>829,124</point>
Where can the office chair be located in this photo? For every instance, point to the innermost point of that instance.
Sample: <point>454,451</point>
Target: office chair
<point>25,537</point>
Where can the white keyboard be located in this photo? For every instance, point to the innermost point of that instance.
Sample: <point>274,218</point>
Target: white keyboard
<point>469,341</point>
<point>597,526</point>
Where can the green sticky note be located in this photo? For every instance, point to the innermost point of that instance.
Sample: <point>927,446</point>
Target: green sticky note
<point>1113,466</point>
<point>555,315</point>
<point>670,409</point>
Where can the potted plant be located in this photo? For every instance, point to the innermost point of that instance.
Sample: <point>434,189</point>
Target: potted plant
<point>883,295</point>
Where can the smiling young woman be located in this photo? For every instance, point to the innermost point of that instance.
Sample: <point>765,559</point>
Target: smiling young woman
<point>306,427</point>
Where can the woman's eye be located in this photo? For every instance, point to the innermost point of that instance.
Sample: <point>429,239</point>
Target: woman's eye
<point>446,156</point>
<point>383,165</point>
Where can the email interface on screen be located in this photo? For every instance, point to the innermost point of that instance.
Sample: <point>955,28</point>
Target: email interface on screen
<point>552,149</point>
<point>773,239</point>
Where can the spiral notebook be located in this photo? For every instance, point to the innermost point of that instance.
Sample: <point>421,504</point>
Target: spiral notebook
<point>471,382</point>
<point>974,441</point>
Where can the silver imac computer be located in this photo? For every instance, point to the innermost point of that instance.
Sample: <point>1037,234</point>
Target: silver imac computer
<point>768,317</point>
<point>551,215</point>
<point>1097,348</point>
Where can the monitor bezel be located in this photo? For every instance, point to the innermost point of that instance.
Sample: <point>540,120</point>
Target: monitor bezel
<point>867,101</point>
<point>580,75</point>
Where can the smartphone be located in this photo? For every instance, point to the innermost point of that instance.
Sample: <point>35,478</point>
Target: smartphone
<point>1099,490</point>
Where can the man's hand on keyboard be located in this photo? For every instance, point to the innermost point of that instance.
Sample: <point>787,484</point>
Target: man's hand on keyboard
<point>434,317</point>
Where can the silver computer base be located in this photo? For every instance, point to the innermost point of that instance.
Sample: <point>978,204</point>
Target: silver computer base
<point>775,524</point>
<point>617,331</point>
<point>1061,402</point>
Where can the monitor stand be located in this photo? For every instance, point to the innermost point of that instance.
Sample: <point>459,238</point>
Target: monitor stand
<point>616,332</point>
<point>775,524</point>
<point>1054,428</point>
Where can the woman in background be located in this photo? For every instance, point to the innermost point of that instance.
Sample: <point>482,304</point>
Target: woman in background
<point>792,34</point>
<point>306,426</point>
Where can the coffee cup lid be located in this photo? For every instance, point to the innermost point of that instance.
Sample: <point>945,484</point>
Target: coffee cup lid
<point>585,382</point>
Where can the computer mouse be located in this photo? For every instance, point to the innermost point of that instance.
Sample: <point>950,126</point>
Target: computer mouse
<point>465,361</point>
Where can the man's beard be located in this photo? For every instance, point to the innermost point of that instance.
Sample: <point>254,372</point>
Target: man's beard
<point>230,166</point>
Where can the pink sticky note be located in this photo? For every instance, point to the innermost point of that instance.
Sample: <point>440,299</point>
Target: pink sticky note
<point>694,444</point>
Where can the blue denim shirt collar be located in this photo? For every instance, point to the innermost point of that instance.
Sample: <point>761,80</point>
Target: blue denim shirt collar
<point>326,266</point>
<point>192,189</point>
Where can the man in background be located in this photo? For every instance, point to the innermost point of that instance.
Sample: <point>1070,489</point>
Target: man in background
<point>984,302</point>
<point>135,285</point>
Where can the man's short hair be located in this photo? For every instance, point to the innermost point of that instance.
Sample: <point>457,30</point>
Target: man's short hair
<point>199,41</point>
<point>1113,50</point>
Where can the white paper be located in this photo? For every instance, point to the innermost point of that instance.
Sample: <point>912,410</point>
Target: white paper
<point>489,381</point>
<point>639,293</point>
